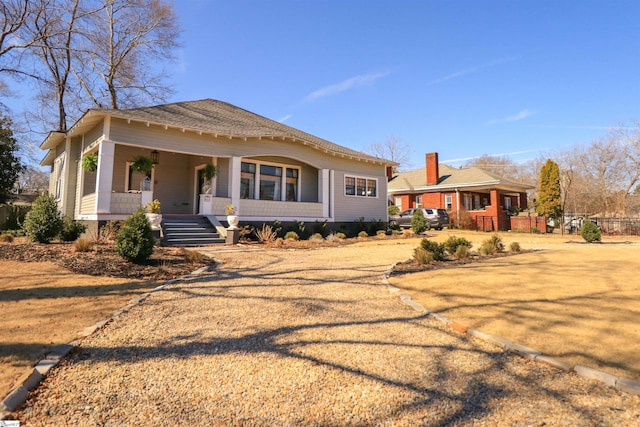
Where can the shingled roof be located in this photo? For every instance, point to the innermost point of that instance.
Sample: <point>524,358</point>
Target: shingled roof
<point>221,119</point>
<point>450,177</point>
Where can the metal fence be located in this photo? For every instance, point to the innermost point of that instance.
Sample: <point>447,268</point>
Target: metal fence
<point>609,226</point>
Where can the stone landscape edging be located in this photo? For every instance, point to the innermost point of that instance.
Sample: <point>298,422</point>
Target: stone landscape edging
<point>30,380</point>
<point>619,383</point>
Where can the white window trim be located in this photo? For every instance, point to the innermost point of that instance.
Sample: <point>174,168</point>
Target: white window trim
<point>448,201</point>
<point>283,179</point>
<point>398,202</point>
<point>126,178</point>
<point>366,178</point>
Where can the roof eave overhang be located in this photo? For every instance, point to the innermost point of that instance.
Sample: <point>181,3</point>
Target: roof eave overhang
<point>272,137</point>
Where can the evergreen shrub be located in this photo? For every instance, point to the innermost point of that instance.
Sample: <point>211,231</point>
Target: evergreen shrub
<point>135,241</point>
<point>43,223</point>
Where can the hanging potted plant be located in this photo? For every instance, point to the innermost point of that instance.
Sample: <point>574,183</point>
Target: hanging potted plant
<point>90,162</point>
<point>142,164</point>
<point>232,217</point>
<point>208,173</point>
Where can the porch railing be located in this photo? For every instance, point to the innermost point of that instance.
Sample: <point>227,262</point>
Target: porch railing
<point>210,205</point>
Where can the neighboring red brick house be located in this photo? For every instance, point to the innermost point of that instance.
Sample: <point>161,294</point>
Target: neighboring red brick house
<point>485,196</point>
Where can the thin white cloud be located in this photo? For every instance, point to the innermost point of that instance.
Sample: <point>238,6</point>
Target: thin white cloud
<point>285,118</point>
<point>350,83</point>
<point>473,69</point>
<point>516,117</point>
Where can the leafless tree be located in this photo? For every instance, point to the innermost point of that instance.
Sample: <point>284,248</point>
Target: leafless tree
<point>33,180</point>
<point>122,43</point>
<point>392,149</point>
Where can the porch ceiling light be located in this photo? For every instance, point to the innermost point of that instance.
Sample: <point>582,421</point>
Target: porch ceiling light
<point>155,157</point>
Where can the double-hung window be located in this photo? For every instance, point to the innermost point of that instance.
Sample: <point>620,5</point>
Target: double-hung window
<point>247,180</point>
<point>360,186</point>
<point>270,179</point>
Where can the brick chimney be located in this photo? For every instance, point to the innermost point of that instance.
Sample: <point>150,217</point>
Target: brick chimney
<point>433,174</point>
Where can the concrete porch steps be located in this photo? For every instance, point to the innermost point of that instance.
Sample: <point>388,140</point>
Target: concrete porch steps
<point>189,231</point>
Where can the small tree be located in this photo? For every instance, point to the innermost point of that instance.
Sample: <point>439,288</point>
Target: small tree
<point>134,241</point>
<point>548,202</point>
<point>590,232</point>
<point>43,223</point>
<point>10,165</point>
<point>418,222</point>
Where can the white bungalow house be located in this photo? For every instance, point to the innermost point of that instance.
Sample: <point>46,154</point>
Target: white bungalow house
<point>267,170</point>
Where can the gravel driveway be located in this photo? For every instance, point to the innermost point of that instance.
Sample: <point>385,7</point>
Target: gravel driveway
<point>306,337</point>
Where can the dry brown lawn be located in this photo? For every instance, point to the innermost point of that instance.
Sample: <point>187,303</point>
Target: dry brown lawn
<point>44,305</point>
<point>574,301</point>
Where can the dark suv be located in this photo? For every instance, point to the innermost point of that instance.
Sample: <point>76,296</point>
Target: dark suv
<point>435,218</point>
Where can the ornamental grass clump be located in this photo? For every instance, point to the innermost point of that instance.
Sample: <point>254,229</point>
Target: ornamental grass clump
<point>83,245</point>
<point>135,241</point>
<point>291,235</point>
<point>265,234</point>
<point>422,256</point>
<point>514,247</point>
<point>43,223</point>
<point>492,246</point>
<point>462,252</point>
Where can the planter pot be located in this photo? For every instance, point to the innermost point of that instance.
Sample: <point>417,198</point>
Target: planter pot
<point>155,220</point>
<point>233,221</point>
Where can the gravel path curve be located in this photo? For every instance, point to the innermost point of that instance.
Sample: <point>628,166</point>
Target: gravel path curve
<point>306,337</point>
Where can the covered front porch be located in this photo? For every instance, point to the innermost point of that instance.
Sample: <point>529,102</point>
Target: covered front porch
<point>259,187</point>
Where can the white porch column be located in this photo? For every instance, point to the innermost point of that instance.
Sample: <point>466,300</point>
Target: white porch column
<point>323,191</point>
<point>104,176</point>
<point>234,182</point>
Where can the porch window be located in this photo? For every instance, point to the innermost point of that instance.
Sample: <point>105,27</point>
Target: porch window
<point>292,185</point>
<point>507,203</point>
<point>448,202</point>
<point>247,180</point>
<point>418,201</point>
<point>468,202</point>
<point>270,178</point>
<point>360,186</point>
<point>476,201</point>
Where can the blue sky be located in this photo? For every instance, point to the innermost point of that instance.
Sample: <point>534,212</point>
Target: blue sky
<point>463,78</point>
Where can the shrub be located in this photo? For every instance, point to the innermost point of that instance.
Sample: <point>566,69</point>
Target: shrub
<point>463,220</point>
<point>71,229</point>
<point>83,245</point>
<point>266,234</point>
<point>291,235</point>
<point>514,247</point>
<point>437,249</point>
<point>43,223</point>
<point>590,232</point>
<point>135,241</point>
<point>393,210</point>
<point>453,243</point>
<point>492,246</point>
<point>360,225</point>
<point>463,252</point>
<point>16,216</point>
<point>245,233</point>
<point>375,226</point>
<point>381,233</point>
<point>422,255</point>
<point>363,234</point>
<point>6,238</point>
<point>316,237</point>
<point>109,231</point>
<point>332,237</point>
<point>320,227</point>
<point>418,222</point>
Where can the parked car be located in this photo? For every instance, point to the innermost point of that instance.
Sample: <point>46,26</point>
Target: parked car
<point>435,218</point>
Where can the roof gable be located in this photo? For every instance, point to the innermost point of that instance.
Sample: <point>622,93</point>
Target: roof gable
<point>450,177</point>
